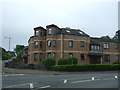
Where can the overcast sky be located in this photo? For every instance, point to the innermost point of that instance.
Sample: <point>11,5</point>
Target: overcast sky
<point>19,18</point>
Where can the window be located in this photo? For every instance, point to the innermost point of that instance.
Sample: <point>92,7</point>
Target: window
<point>36,56</point>
<point>95,48</point>
<point>71,54</point>
<point>40,57</point>
<point>36,33</point>
<point>107,58</point>
<point>54,43</point>
<point>70,43</point>
<point>44,33</point>
<point>106,45</point>
<point>40,32</point>
<point>116,46</point>
<point>53,54</point>
<point>82,56</point>
<point>49,31</point>
<point>82,44</point>
<point>40,44</point>
<point>36,44</point>
<point>117,57</point>
<point>49,55</point>
<point>49,43</point>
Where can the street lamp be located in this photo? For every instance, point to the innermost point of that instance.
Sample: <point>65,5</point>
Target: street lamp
<point>9,41</point>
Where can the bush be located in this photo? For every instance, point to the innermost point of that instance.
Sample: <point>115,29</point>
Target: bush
<point>67,61</point>
<point>72,60</point>
<point>62,61</point>
<point>87,67</point>
<point>48,63</point>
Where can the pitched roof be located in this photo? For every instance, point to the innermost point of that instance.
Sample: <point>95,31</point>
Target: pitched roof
<point>36,28</point>
<point>69,31</point>
<point>104,40</point>
<point>30,38</point>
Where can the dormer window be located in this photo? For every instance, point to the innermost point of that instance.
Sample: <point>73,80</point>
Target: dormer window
<point>36,33</point>
<point>49,31</point>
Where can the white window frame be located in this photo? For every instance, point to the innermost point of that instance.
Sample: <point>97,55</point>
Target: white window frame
<point>49,31</point>
<point>49,42</point>
<point>36,44</point>
<point>70,43</point>
<point>82,43</point>
<point>106,45</point>
<point>36,33</point>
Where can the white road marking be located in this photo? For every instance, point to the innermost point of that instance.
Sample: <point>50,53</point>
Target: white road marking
<point>45,87</point>
<point>65,81</point>
<point>116,77</point>
<point>79,78</point>
<point>19,85</point>
<point>108,78</point>
<point>84,81</point>
<point>93,78</point>
<point>13,74</point>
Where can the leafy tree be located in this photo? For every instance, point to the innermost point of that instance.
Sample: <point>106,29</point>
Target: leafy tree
<point>105,37</point>
<point>6,54</point>
<point>18,50</point>
<point>117,35</point>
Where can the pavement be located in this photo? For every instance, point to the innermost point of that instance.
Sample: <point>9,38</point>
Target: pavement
<point>40,72</point>
<point>35,79</point>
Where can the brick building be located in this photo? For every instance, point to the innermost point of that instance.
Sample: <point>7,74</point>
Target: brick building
<point>59,43</point>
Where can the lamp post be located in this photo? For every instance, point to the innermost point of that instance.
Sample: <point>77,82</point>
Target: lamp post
<point>9,41</point>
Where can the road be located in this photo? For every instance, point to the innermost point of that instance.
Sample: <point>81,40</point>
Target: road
<point>67,80</point>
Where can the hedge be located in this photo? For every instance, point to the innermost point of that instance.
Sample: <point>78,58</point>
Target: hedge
<point>87,67</point>
<point>117,62</point>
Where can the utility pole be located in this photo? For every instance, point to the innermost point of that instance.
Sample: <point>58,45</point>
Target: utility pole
<point>9,41</point>
<point>9,45</point>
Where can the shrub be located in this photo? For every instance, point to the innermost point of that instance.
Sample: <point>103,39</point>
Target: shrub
<point>48,63</point>
<point>67,61</point>
<point>87,67</point>
<point>72,60</point>
<point>62,61</point>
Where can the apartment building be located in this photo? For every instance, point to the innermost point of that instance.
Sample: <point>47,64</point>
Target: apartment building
<point>56,42</point>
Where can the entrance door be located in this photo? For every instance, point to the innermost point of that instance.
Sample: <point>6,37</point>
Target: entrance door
<point>94,59</point>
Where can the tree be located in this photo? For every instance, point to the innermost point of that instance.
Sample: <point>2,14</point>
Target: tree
<point>6,54</point>
<point>117,35</point>
<point>105,37</point>
<point>18,50</point>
